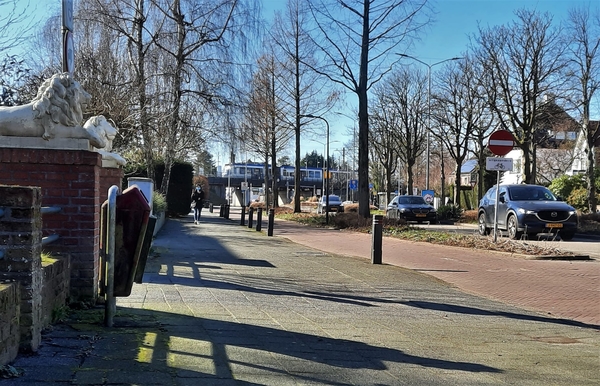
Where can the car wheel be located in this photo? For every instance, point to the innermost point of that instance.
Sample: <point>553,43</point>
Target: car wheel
<point>511,226</point>
<point>567,236</point>
<point>483,230</point>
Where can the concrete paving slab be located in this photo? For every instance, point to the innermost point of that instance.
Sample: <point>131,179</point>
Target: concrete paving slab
<point>226,305</point>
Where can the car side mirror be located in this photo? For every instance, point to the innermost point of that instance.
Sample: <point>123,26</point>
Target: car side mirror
<point>559,198</point>
<point>502,199</point>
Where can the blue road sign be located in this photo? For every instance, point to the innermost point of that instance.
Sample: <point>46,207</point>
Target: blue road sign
<point>353,184</point>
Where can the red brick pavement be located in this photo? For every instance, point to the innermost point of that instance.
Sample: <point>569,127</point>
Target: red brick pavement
<point>561,289</point>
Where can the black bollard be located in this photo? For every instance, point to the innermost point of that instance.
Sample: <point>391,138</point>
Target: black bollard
<point>376,239</point>
<point>271,222</point>
<point>250,217</point>
<point>221,210</point>
<point>243,216</point>
<point>259,220</point>
<point>226,211</point>
<point>210,207</point>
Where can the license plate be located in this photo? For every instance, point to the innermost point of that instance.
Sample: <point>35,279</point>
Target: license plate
<point>420,215</point>
<point>554,225</point>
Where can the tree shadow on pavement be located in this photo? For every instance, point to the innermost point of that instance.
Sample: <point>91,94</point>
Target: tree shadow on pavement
<point>459,309</point>
<point>244,347</point>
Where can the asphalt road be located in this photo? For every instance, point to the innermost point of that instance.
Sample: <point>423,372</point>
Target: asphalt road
<point>580,245</point>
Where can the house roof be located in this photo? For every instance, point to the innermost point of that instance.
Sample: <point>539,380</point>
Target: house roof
<point>468,166</point>
<point>551,115</point>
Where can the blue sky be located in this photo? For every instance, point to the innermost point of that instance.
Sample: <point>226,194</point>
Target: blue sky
<point>448,37</point>
<point>457,19</point>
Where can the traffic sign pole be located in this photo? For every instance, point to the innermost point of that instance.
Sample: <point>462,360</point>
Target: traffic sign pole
<point>496,206</point>
<point>501,142</point>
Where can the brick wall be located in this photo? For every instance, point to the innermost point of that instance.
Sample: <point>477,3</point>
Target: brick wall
<point>20,251</point>
<point>9,322</point>
<point>30,289</point>
<point>75,181</point>
<point>55,288</point>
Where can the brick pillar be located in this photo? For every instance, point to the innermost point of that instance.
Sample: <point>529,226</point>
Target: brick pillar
<point>20,256</point>
<point>75,181</point>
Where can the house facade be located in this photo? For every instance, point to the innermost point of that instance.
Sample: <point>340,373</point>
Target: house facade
<point>580,159</point>
<point>561,147</point>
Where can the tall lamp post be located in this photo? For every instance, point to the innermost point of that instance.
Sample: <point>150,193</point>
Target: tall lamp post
<point>429,66</point>
<point>326,165</point>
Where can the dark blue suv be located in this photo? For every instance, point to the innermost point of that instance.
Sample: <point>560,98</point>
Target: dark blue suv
<point>527,209</point>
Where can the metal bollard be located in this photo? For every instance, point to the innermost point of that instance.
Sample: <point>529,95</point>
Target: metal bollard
<point>271,222</point>
<point>250,217</point>
<point>259,220</point>
<point>226,211</point>
<point>210,207</point>
<point>221,209</point>
<point>377,233</point>
<point>243,216</point>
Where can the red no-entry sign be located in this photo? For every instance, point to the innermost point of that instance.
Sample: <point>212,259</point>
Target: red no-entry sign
<point>501,142</point>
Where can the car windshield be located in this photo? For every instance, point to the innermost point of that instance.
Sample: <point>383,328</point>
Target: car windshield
<point>531,193</point>
<point>411,200</point>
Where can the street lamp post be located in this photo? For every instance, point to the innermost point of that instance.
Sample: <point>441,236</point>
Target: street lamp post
<point>322,166</point>
<point>429,66</point>
<point>326,165</point>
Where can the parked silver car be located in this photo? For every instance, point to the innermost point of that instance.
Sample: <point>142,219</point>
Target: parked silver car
<point>335,204</point>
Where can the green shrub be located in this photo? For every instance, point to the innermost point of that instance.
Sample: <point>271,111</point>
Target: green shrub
<point>159,202</point>
<point>180,187</point>
<point>449,212</point>
<point>564,185</point>
<point>578,199</point>
<point>573,189</point>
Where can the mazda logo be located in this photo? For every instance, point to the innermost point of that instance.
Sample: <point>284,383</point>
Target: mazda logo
<point>553,214</point>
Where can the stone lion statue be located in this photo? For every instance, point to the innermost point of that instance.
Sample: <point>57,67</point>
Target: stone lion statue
<point>55,112</point>
<point>100,126</point>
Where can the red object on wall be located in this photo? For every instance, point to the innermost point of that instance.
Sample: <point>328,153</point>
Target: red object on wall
<point>131,222</point>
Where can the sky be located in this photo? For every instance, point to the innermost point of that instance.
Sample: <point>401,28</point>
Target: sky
<point>448,37</point>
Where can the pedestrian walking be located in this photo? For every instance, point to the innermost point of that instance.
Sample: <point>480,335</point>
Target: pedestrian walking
<point>197,202</point>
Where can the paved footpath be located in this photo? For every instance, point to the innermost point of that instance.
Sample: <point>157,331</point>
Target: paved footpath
<point>222,304</point>
<point>561,289</point>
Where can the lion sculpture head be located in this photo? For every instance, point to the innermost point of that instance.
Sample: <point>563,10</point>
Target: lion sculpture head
<point>99,126</point>
<point>60,101</point>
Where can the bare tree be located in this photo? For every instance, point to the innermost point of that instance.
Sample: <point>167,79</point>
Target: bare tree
<point>383,134</point>
<point>266,132</point>
<point>16,23</point>
<point>522,61</point>
<point>15,28</point>
<point>583,29</point>
<point>196,40</point>
<point>305,91</point>
<point>400,110</point>
<point>356,38</point>
<point>457,111</point>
